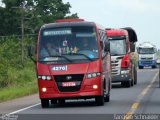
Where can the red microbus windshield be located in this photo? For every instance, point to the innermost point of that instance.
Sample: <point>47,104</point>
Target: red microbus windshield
<point>76,44</point>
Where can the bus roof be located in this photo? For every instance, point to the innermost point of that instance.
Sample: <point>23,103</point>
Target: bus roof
<point>68,24</point>
<point>123,32</point>
<point>70,20</point>
<point>146,45</point>
<point>116,32</point>
<point>71,23</point>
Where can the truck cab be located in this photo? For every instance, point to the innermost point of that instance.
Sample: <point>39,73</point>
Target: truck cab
<point>73,62</point>
<point>122,46</point>
<point>147,55</point>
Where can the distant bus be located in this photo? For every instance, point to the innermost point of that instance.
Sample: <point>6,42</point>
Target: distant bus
<point>73,62</point>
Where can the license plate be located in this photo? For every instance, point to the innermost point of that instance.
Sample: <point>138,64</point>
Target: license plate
<point>68,84</point>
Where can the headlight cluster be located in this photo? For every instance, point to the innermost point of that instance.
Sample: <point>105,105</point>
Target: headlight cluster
<point>92,75</point>
<point>44,77</point>
<point>125,72</point>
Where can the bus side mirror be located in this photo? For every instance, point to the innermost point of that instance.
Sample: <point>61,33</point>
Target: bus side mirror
<point>107,47</point>
<point>102,46</point>
<point>132,47</point>
<point>31,53</point>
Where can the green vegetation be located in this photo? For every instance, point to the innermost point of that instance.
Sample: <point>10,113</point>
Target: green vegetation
<point>32,14</point>
<point>16,78</point>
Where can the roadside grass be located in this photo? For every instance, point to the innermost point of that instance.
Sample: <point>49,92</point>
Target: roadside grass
<point>18,91</point>
<point>17,76</point>
<point>20,82</point>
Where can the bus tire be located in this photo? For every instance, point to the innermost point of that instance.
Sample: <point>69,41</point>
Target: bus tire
<point>128,84</point>
<point>132,82</point>
<point>107,98</point>
<point>135,77</point>
<point>99,100</point>
<point>132,78</point>
<point>154,67</point>
<point>140,67</point>
<point>44,103</point>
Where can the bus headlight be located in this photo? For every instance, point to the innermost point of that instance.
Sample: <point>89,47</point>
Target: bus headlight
<point>44,77</point>
<point>48,78</point>
<point>92,75</point>
<point>123,72</point>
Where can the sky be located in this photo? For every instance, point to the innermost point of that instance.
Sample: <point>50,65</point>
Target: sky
<point>142,15</point>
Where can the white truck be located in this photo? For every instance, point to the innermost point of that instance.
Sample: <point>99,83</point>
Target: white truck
<point>147,55</point>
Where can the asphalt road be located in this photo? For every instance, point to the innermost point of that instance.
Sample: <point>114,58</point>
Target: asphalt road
<point>143,98</point>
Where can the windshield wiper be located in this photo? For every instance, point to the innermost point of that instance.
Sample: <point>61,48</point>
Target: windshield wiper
<point>115,54</point>
<point>55,56</point>
<point>82,55</point>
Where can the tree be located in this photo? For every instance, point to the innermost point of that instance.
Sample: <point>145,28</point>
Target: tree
<point>9,18</point>
<point>34,13</point>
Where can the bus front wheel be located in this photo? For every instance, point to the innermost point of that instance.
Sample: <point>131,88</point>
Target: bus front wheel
<point>99,100</point>
<point>44,103</point>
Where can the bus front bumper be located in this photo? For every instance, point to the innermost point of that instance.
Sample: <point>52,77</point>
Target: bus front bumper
<point>88,89</point>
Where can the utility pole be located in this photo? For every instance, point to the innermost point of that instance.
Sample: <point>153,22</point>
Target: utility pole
<point>22,39</point>
<point>22,8</point>
<point>22,31</point>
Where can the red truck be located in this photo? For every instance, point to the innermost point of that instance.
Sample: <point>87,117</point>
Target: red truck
<point>122,48</point>
<point>72,62</point>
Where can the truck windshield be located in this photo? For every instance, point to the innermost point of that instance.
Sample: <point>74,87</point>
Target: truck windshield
<point>68,45</point>
<point>117,47</point>
<point>146,51</point>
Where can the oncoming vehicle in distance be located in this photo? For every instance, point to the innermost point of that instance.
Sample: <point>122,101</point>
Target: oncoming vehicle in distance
<point>147,55</point>
<point>73,62</point>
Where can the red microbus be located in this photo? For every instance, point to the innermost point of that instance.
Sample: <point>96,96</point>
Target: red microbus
<point>73,62</point>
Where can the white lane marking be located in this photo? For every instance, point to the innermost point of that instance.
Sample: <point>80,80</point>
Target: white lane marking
<point>20,110</point>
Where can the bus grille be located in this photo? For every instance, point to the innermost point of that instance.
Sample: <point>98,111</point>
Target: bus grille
<point>115,67</point>
<point>78,78</point>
